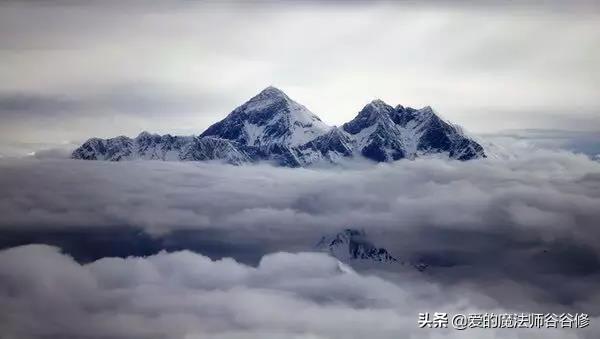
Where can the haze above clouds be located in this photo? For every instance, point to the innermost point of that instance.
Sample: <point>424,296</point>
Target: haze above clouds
<point>75,70</point>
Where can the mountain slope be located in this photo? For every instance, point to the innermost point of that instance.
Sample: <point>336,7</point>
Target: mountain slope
<point>330,147</point>
<point>375,134</point>
<point>272,127</point>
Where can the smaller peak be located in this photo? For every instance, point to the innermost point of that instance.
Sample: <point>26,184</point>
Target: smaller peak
<point>144,134</point>
<point>399,107</point>
<point>93,140</point>
<point>375,112</point>
<point>354,232</point>
<point>426,111</point>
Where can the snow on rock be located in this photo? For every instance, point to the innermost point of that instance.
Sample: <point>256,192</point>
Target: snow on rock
<point>352,244</point>
<point>353,247</point>
<point>384,133</point>
<point>272,127</point>
<point>270,117</point>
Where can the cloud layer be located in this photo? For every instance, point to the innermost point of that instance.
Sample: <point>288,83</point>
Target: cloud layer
<point>184,295</point>
<point>543,191</point>
<point>529,222</point>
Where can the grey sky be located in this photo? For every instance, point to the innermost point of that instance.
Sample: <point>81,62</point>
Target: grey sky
<point>70,71</point>
<point>513,234</point>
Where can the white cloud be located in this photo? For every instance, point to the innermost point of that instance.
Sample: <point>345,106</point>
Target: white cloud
<point>184,295</point>
<point>516,234</point>
<point>543,190</point>
<point>533,215</point>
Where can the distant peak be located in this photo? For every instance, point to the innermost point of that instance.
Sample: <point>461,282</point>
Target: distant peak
<point>352,244</point>
<point>354,232</point>
<point>144,134</point>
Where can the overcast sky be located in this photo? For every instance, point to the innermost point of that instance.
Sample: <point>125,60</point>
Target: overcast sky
<point>513,233</point>
<point>74,70</point>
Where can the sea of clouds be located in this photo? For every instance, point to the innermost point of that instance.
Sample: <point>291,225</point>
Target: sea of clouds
<point>45,294</point>
<point>518,234</point>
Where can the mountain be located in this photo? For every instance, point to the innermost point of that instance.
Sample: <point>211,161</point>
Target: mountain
<point>272,127</point>
<point>148,146</point>
<point>375,134</point>
<point>353,247</point>
<point>352,244</point>
<point>269,118</point>
<point>331,146</point>
<point>384,133</point>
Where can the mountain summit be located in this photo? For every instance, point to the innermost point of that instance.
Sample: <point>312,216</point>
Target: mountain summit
<point>385,133</point>
<point>352,244</point>
<point>269,118</point>
<point>272,127</point>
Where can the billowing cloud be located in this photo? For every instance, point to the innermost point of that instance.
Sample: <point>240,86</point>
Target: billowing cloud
<point>552,191</point>
<point>529,221</point>
<point>46,294</point>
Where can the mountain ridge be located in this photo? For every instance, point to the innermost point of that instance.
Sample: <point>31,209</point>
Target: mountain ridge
<point>272,127</point>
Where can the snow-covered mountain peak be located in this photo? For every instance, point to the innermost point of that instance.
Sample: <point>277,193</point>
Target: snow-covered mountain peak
<point>273,127</point>
<point>146,135</point>
<point>375,112</point>
<point>378,103</point>
<point>267,97</point>
<point>376,106</point>
<point>271,92</point>
<point>267,119</point>
<point>353,247</point>
<point>352,244</point>
<point>425,112</point>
